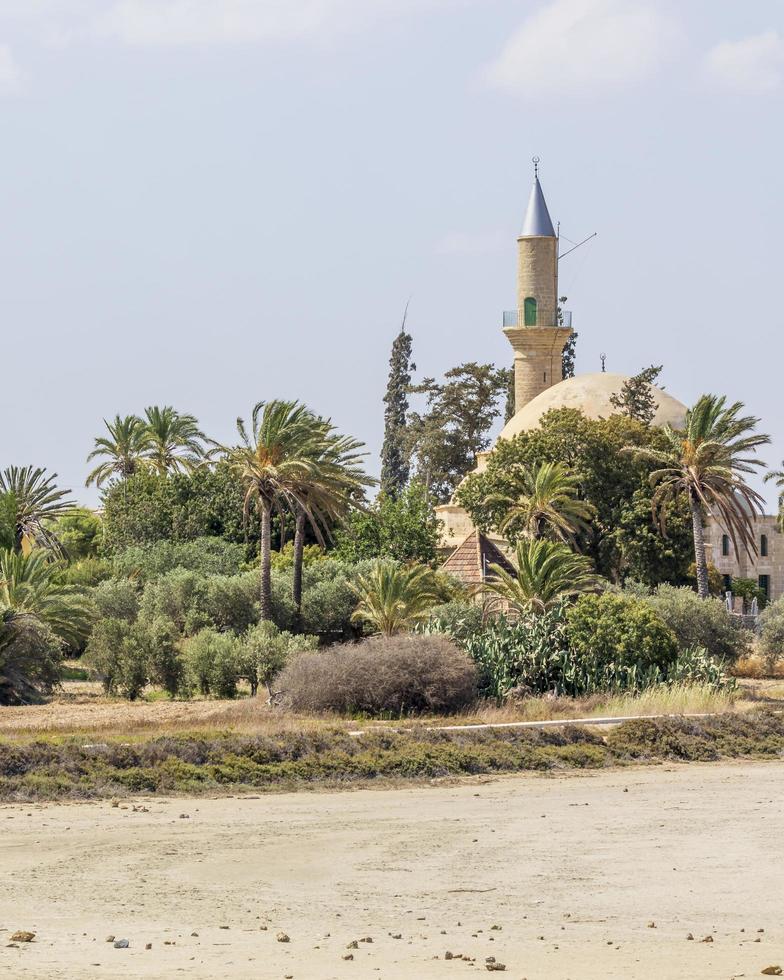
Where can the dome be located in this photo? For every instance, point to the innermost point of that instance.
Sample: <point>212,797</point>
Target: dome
<point>591,394</point>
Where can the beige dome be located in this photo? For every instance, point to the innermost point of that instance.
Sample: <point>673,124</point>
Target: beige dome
<point>591,394</point>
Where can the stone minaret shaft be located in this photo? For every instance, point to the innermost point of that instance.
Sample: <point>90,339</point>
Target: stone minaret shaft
<point>537,339</point>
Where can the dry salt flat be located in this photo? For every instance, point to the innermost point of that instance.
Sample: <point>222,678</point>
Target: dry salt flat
<point>602,875</point>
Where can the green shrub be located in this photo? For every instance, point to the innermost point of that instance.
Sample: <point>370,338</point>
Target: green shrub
<point>529,656</point>
<point>700,623</point>
<point>213,662</point>
<point>619,633</point>
<point>749,590</point>
<point>772,633</point>
<point>697,666</point>
<point>395,675</point>
<point>30,656</point>
<point>116,599</point>
<point>264,650</point>
<point>126,657</point>
<point>458,619</point>
<point>231,601</point>
<point>203,556</point>
<point>179,596</point>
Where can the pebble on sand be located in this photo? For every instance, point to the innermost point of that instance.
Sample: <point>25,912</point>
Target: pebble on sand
<point>772,971</point>
<point>282,938</point>
<point>22,936</point>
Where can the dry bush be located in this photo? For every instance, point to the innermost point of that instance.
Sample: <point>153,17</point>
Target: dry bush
<point>394,675</point>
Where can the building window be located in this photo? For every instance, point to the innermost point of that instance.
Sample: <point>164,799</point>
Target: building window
<point>764,584</point>
<point>764,546</point>
<point>529,311</point>
<point>728,583</point>
<point>725,545</point>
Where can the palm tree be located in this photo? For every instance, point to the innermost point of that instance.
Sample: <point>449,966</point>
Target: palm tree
<point>330,490</point>
<point>32,503</point>
<point>30,585</point>
<point>545,504</point>
<point>547,572</point>
<point>705,461</point>
<point>275,462</point>
<point>174,442</point>
<point>778,476</point>
<point>393,598</point>
<point>124,450</point>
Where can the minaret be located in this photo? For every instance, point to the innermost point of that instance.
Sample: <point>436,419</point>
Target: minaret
<point>534,332</point>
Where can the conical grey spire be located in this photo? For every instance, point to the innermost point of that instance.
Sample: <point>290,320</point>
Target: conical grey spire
<point>537,217</point>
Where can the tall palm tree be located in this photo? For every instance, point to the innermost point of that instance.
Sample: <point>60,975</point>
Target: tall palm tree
<point>547,572</point>
<point>330,490</point>
<point>174,442</point>
<point>32,503</point>
<point>706,462</point>
<point>124,450</point>
<point>275,461</point>
<point>545,503</point>
<point>394,598</point>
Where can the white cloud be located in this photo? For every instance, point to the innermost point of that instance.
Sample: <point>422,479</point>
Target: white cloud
<point>753,65</point>
<point>573,46</point>
<point>10,75</point>
<point>471,243</point>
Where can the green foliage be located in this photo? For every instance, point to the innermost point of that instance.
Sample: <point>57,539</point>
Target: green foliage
<point>547,573</point>
<point>529,656</point>
<point>30,656</point>
<point>749,590</point>
<point>86,572</point>
<point>116,599</point>
<point>204,556</point>
<point>122,452</point>
<point>392,598</point>
<point>30,585</point>
<point>700,623</point>
<point>284,559</point>
<point>394,451</point>
<point>619,633</point>
<point>636,398</point>
<point>445,439</point>
<point>458,618</point>
<point>694,665</point>
<point>706,464</point>
<point>126,657</point>
<point>643,552</point>
<point>772,634</point>
<point>180,597</point>
<point>404,528</point>
<point>79,533</point>
<point>213,662</point>
<point>32,503</point>
<point>612,482</point>
<point>265,650</point>
<point>148,507</point>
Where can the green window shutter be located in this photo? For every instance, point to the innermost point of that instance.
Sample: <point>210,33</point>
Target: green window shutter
<point>529,311</point>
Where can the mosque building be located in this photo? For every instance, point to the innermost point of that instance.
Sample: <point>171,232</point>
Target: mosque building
<point>538,331</point>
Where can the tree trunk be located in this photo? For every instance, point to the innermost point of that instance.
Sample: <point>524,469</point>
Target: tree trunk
<point>296,578</point>
<point>699,548</point>
<point>265,589</point>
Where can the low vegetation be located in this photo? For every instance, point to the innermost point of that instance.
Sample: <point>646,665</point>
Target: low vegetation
<point>307,757</point>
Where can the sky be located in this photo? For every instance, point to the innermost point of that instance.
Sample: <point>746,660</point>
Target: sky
<point>211,204</point>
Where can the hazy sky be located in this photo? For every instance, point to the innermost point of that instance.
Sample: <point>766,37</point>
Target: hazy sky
<point>206,203</point>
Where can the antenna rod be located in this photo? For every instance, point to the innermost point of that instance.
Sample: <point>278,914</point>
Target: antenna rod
<point>570,250</point>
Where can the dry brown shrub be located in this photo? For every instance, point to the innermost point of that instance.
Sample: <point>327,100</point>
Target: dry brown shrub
<point>397,675</point>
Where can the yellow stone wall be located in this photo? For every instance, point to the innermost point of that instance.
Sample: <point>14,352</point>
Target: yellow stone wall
<point>537,265</point>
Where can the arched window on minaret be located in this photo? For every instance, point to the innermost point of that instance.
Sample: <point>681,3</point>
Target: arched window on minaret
<point>529,311</point>
<point>764,546</point>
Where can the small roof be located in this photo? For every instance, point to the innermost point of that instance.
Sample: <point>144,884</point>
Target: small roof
<point>470,561</point>
<point>537,221</point>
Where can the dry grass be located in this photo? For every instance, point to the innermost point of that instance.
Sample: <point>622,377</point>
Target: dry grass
<point>754,666</point>
<point>81,708</point>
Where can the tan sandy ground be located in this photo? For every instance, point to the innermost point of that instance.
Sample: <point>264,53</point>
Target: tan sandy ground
<point>571,868</point>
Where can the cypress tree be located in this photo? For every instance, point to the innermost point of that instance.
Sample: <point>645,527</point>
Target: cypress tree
<point>395,465</point>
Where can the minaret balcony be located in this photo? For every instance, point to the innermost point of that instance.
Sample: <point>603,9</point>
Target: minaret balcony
<point>512,318</point>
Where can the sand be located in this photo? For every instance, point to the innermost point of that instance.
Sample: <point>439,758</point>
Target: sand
<point>571,870</point>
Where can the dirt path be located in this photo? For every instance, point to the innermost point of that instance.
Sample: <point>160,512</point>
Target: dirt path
<point>572,870</point>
